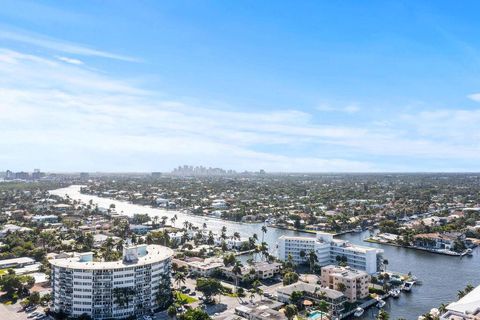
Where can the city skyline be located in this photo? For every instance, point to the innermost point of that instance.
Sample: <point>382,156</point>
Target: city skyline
<point>311,87</point>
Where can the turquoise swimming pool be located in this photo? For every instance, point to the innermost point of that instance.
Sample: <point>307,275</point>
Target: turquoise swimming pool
<point>317,315</point>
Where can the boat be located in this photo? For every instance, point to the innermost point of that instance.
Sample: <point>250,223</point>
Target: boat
<point>395,293</point>
<point>358,229</point>
<point>469,252</point>
<point>358,312</point>
<point>380,304</point>
<point>407,286</point>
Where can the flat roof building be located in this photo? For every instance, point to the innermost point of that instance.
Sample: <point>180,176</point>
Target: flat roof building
<point>16,263</point>
<point>136,285</point>
<point>329,251</point>
<point>353,282</point>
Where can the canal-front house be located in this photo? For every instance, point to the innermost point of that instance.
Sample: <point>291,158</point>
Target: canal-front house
<point>335,299</point>
<point>438,240</point>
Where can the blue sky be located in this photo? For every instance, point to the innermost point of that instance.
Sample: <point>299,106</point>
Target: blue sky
<point>311,86</point>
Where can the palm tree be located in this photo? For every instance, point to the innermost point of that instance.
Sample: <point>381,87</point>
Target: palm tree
<point>322,306</point>
<point>264,231</point>
<point>164,220</point>
<point>173,219</point>
<point>237,270</point>
<point>180,279</point>
<point>290,311</point>
<point>172,312</point>
<point>312,258</point>
<point>468,288</point>
<point>383,315</point>
<point>302,254</point>
<point>236,235</point>
<point>123,296</point>
<point>442,308</point>
<point>155,221</point>
<point>224,232</point>
<point>252,294</point>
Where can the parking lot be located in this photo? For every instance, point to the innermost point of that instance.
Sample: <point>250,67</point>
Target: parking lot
<point>15,312</point>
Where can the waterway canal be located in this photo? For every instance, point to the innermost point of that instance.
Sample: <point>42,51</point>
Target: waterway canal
<point>442,276</point>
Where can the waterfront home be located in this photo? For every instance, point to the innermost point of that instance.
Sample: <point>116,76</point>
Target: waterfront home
<point>219,204</point>
<point>438,240</point>
<point>232,243</point>
<point>140,228</point>
<point>328,251</point>
<point>467,308</point>
<point>335,299</point>
<point>41,219</point>
<point>354,282</point>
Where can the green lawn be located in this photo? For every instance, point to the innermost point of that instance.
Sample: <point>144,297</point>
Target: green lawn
<point>187,298</point>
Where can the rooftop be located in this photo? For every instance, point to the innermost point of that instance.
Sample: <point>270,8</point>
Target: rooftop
<point>154,253</point>
<point>310,288</point>
<point>469,304</point>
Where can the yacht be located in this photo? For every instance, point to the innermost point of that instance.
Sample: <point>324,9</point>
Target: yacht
<point>380,304</point>
<point>358,312</point>
<point>395,293</point>
<point>407,286</point>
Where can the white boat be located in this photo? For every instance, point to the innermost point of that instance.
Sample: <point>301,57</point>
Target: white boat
<point>358,229</point>
<point>358,312</point>
<point>380,304</point>
<point>469,252</point>
<point>407,286</point>
<point>395,293</point>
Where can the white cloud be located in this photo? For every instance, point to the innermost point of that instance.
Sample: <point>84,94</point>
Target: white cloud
<point>70,60</point>
<point>59,45</point>
<point>351,108</point>
<point>63,116</point>
<point>474,96</point>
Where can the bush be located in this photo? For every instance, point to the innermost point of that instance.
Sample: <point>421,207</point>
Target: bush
<point>375,290</point>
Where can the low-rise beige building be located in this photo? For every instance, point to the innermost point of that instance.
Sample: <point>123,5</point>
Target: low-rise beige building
<point>353,283</point>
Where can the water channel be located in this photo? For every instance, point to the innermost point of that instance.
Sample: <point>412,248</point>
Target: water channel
<point>442,276</point>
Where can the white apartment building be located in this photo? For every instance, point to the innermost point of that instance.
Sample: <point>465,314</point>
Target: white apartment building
<point>136,285</point>
<point>327,249</point>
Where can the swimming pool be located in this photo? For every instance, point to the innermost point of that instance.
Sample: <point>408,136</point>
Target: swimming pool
<point>318,315</point>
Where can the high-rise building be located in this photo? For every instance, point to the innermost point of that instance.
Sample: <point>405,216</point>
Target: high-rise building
<point>138,284</point>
